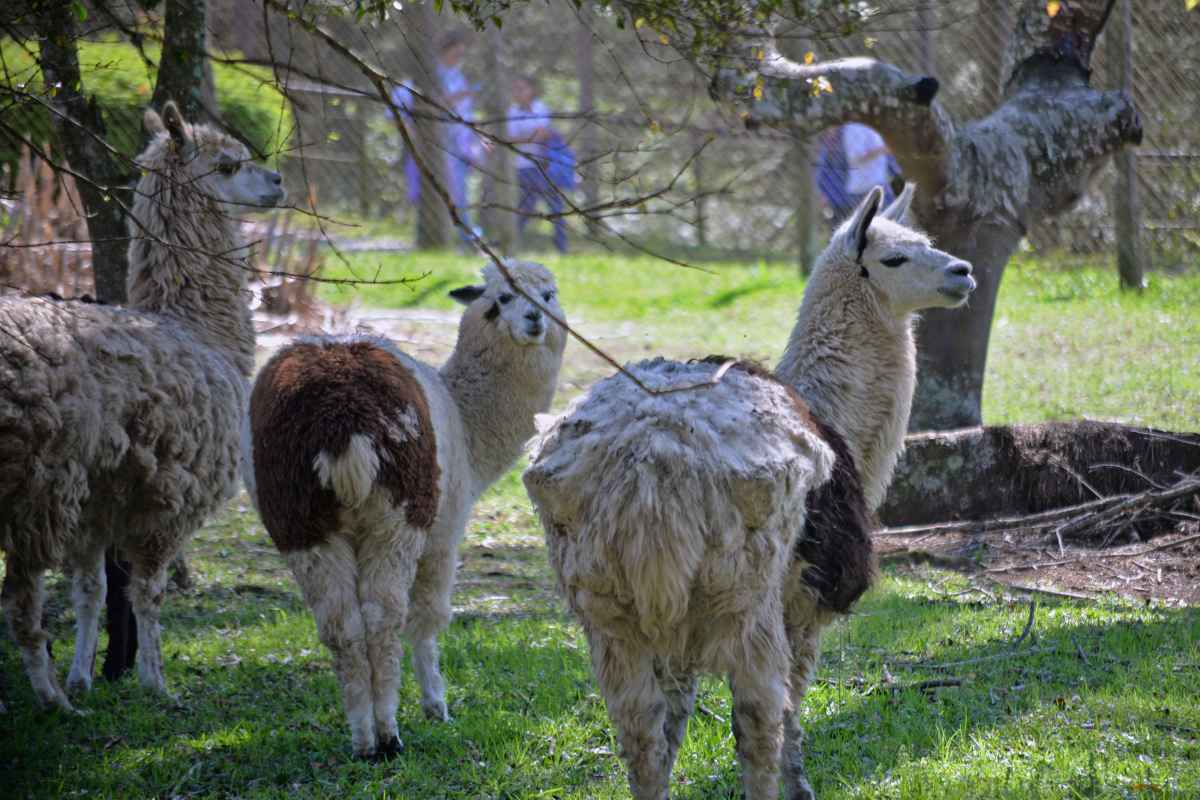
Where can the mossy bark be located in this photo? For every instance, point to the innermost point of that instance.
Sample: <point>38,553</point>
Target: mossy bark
<point>1022,469</point>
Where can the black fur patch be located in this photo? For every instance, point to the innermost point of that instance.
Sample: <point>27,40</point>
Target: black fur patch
<point>492,312</point>
<point>836,541</point>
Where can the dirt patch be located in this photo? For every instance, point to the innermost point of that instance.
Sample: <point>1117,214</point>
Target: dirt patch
<point>1165,569</point>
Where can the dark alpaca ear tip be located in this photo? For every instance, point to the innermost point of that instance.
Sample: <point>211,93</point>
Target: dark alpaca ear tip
<point>466,294</point>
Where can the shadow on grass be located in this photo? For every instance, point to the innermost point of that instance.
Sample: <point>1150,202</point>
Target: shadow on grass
<point>527,715</point>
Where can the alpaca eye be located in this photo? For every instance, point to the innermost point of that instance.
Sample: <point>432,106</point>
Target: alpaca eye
<point>548,296</point>
<point>228,168</point>
<point>894,261</point>
<point>505,298</point>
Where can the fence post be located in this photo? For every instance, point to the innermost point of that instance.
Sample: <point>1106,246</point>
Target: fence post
<point>1127,206</point>
<point>805,204</point>
<point>701,200</point>
<point>585,74</point>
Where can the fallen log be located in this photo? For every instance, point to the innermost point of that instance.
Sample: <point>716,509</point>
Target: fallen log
<point>1018,470</point>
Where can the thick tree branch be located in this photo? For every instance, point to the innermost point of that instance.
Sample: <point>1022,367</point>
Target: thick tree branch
<point>808,98</point>
<point>1049,49</point>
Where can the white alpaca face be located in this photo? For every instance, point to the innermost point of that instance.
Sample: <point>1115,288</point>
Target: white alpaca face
<point>513,316</point>
<point>901,263</point>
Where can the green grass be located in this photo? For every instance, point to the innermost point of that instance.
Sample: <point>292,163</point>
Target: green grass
<point>260,713</point>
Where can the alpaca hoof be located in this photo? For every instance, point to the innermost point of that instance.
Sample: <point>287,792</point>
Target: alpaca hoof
<point>388,748</point>
<point>802,791</point>
<point>78,683</point>
<point>56,699</point>
<point>436,711</point>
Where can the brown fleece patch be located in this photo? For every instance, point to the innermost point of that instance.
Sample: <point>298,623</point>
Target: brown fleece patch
<point>836,541</point>
<point>312,398</point>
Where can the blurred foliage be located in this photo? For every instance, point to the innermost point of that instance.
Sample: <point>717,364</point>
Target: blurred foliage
<point>122,82</point>
<point>705,30</point>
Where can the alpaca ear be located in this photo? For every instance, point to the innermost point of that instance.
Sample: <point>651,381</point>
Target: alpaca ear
<point>860,221</point>
<point>153,123</point>
<point>898,208</point>
<point>175,124</point>
<point>467,294</point>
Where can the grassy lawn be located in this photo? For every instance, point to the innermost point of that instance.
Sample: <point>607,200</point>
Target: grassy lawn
<point>1099,701</point>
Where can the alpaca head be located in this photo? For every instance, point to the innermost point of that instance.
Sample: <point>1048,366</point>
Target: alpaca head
<point>504,318</point>
<point>900,264</point>
<point>215,164</point>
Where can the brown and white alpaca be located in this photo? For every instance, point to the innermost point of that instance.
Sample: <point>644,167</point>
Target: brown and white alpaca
<point>719,529</point>
<point>123,426</point>
<point>367,463</point>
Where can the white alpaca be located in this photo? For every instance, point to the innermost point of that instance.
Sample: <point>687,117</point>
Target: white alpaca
<point>696,531</point>
<point>122,426</point>
<point>367,464</point>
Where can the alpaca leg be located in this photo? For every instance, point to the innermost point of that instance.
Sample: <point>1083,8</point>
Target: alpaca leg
<point>806,648</point>
<point>384,581</point>
<point>328,578</point>
<point>760,700</point>
<point>88,595</point>
<point>147,588</point>
<point>429,616</point>
<point>22,598</point>
<point>679,688</point>
<point>638,711</point>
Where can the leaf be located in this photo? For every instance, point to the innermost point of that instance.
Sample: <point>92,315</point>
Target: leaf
<point>758,89</point>
<point>1190,4</point>
<point>663,39</point>
<point>333,136</point>
<point>1053,7</point>
<point>809,57</point>
<point>80,10</point>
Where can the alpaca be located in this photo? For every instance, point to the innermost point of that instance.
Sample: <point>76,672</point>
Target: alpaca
<point>366,465</point>
<point>718,529</point>
<point>123,426</point>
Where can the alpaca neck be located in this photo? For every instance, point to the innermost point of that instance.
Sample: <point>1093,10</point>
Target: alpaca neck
<point>498,394</point>
<point>187,262</point>
<point>854,362</point>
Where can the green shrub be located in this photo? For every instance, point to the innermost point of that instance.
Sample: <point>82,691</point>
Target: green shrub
<point>123,83</point>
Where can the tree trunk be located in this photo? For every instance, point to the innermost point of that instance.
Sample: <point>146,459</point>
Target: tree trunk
<point>1023,469</point>
<point>496,218</point>
<point>184,72</point>
<point>433,220</point>
<point>982,184</point>
<point>80,131</point>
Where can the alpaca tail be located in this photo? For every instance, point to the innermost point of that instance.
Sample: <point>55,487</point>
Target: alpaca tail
<point>351,474</point>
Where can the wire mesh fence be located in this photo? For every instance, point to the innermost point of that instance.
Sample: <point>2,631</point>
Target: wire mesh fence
<point>658,164</point>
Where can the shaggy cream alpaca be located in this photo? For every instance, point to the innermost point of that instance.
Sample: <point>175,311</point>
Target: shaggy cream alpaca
<point>122,426</point>
<point>676,523</point>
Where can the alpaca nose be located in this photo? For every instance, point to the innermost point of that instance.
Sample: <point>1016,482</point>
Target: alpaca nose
<point>534,315</point>
<point>276,178</point>
<point>959,268</point>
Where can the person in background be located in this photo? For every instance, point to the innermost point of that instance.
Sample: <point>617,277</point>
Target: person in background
<point>541,152</point>
<point>852,159</point>
<point>463,147</point>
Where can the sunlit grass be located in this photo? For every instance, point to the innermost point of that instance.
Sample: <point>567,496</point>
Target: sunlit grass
<point>260,711</point>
